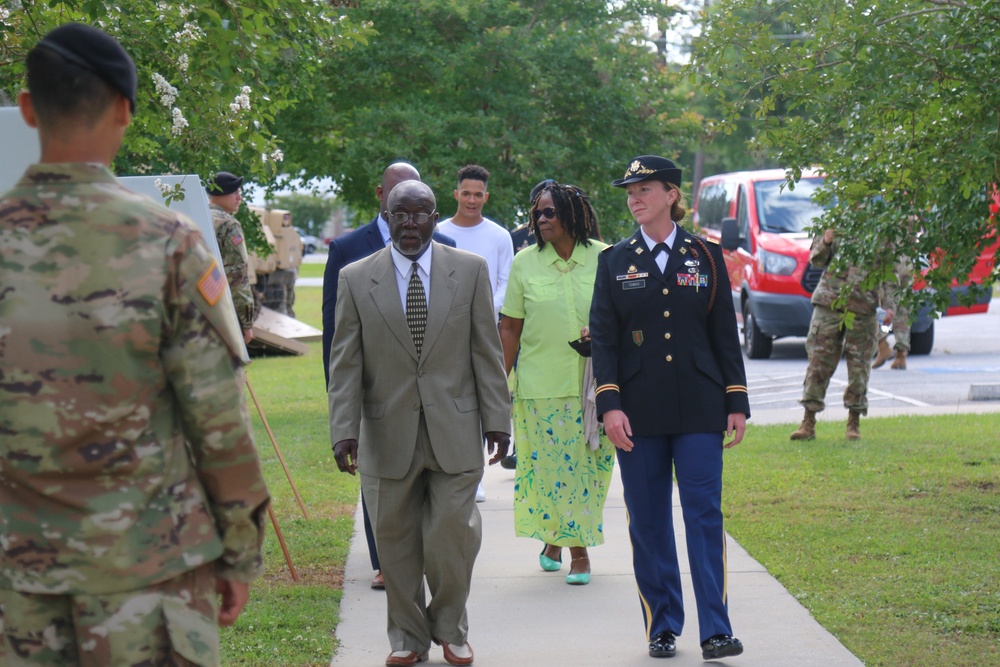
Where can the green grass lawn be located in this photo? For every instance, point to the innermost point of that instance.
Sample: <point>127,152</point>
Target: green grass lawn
<point>893,542</point>
<point>311,270</point>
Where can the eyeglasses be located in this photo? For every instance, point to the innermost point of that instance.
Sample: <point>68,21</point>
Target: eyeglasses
<point>547,212</point>
<point>418,218</point>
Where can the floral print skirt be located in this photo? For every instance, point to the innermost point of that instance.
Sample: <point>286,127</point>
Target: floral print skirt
<point>561,484</point>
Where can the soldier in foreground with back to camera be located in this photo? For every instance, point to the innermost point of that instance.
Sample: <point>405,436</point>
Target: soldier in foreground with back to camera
<point>830,338</point>
<point>131,496</point>
<point>224,197</point>
<point>670,382</point>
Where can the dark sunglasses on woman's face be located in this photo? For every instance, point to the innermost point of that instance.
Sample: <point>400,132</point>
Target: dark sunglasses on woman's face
<point>547,212</point>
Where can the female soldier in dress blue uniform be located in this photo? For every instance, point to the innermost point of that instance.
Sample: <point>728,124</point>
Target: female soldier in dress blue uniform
<point>670,380</point>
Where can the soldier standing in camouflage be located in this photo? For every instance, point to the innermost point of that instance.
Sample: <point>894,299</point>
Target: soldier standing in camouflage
<point>829,339</point>
<point>131,496</point>
<point>224,197</point>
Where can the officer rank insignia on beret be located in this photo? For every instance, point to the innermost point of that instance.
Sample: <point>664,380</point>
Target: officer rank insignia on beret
<point>212,284</point>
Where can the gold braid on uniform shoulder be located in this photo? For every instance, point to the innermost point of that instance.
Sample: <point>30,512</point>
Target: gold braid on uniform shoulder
<point>607,387</point>
<point>711,260</point>
<point>737,389</point>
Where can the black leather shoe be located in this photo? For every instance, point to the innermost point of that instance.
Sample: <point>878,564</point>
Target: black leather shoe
<point>663,645</point>
<point>721,646</point>
<point>509,462</point>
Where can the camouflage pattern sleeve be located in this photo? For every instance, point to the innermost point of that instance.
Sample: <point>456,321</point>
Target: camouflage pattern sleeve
<point>233,249</point>
<point>212,410</point>
<point>820,254</point>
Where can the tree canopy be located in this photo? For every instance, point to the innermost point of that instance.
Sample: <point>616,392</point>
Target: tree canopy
<point>564,89</point>
<point>213,75</point>
<point>897,101</point>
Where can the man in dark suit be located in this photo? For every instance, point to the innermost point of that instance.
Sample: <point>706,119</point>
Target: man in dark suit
<point>351,247</point>
<point>417,382</point>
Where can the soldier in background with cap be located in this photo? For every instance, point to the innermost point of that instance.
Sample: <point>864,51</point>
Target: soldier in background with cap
<point>224,197</point>
<point>830,338</point>
<point>131,496</point>
<point>670,381</point>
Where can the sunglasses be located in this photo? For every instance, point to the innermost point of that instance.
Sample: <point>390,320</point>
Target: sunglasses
<point>547,212</point>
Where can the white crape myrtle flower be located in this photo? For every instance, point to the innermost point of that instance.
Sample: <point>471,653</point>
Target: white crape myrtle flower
<point>179,122</point>
<point>167,93</point>
<point>190,32</point>
<point>182,62</point>
<point>4,13</point>
<point>277,155</point>
<point>241,101</point>
<point>162,187</point>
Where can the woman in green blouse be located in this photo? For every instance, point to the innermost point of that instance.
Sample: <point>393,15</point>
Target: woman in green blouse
<point>562,474</point>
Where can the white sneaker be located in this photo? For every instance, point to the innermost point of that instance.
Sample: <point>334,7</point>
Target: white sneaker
<point>480,494</point>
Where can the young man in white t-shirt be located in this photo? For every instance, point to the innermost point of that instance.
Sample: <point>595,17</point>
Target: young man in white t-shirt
<point>479,235</point>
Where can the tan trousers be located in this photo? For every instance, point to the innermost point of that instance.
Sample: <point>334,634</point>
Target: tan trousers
<point>426,525</point>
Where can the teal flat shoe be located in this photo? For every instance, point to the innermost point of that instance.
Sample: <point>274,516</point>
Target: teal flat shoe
<point>579,578</point>
<point>547,563</point>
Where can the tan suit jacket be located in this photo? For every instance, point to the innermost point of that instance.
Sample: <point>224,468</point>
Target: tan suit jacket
<point>380,385</point>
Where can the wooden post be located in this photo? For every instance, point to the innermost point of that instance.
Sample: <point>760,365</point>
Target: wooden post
<point>277,451</point>
<point>281,541</point>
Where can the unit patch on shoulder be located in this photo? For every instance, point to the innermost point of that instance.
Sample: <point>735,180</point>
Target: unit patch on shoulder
<point>212,285</point>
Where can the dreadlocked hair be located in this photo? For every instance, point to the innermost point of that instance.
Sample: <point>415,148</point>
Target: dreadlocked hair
<point>575,212</point>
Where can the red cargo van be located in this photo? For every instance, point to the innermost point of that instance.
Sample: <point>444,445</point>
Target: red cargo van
<point>760,223</point>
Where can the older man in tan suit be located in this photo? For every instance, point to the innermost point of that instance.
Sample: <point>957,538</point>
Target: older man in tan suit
<point>418,378</point>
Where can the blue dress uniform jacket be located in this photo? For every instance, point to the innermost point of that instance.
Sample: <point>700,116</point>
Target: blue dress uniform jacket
<point>678,367</point>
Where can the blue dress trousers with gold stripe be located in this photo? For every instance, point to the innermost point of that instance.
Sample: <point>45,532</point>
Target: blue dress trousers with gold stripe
<point>666,352</point>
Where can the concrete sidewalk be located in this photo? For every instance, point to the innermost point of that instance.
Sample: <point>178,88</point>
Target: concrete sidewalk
<point>522,616</point>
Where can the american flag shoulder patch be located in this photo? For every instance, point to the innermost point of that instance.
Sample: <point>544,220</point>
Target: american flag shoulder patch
<point>212,284</point>
<point>236,240</point>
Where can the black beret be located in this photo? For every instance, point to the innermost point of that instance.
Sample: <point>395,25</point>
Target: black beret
<point>538,188</point>
<point>224,183</point>
<point>649,168</point>
<point>96,51</point>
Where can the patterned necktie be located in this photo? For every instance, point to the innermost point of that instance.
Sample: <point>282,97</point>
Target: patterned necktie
<point>656,251</point>
<point>416,309</point>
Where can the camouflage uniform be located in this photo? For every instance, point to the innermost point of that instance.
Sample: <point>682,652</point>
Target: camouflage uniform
<point>901,314</point>
<point>828,339</point>
<point>129,479</point>
<point>229,233</point>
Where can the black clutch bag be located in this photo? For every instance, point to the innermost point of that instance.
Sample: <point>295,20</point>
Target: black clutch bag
<point>582,346</point>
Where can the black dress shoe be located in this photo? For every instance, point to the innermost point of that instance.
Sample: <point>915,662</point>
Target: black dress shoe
<point>663,645</point>
<point>721,646</point>
<point>509,462</point>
